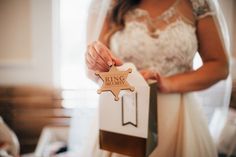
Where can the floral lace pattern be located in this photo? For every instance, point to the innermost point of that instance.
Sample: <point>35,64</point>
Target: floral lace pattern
<point>200,7</point>
<point>172,52</point>
<point>169,50</point>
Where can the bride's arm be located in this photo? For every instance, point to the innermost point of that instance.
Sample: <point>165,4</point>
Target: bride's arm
<point>98,56</point>
<point>215,64</point>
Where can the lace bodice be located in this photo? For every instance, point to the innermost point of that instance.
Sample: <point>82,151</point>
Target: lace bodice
<point>168,48</point>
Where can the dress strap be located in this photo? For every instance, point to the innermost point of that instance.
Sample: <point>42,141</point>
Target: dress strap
<point>170,12</point>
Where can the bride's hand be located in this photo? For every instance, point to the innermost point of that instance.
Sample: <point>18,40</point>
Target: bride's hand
<point>163,83</point>
<point>99,57</point>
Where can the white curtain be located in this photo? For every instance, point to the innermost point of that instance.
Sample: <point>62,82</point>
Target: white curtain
<point>80,92</point>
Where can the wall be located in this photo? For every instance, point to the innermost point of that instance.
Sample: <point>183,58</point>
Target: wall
<point>15,30</point>
<point>38,69</point>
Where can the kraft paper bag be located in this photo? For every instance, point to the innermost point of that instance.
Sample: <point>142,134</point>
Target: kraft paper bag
<point>129,126</point>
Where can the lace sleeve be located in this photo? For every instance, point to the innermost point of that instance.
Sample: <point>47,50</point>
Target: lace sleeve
<point>201,8</point>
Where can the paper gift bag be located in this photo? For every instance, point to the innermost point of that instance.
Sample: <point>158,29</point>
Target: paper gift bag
<point>129,126</point>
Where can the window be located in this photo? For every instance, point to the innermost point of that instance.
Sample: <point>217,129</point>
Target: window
<point>78,89</point>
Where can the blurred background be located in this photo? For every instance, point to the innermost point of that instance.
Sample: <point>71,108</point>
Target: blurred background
<point>42,74</point>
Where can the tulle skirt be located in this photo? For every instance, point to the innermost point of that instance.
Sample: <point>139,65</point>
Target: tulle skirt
<point>182,130</point>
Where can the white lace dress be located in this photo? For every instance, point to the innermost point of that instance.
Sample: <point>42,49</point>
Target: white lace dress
<point>168,50</point>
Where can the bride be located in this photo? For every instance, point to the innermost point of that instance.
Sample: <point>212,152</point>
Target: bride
<point>161,39</point>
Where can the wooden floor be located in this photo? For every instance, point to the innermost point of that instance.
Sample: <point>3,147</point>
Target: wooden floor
<point>28,109</point>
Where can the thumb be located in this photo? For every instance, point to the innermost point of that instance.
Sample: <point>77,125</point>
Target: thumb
<point>116,61</point>
<point>155,76</point>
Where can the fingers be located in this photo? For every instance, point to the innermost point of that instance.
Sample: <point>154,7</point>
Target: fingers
<point>163,84</point>
<point>99,57</point>
<point>93,55</point>
<point>144,74</point>
<point>92,64</point>
<point>154,76</point>
<point>116,61</point>
<point>158,77</point>
<point>103,52</point>
<point>147,74</point>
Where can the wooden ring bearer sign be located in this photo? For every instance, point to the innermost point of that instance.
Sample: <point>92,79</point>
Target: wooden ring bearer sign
<point>114,81</point>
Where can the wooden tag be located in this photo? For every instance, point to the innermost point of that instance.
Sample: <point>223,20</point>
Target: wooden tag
<point>114,81</point>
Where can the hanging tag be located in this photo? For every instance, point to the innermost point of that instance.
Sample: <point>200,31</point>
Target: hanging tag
<point>114,81</point>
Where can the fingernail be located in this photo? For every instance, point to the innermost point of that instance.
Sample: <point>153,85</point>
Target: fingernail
<point>109,63</point>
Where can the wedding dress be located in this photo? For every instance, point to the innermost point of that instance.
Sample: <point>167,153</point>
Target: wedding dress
<point>167,44</point>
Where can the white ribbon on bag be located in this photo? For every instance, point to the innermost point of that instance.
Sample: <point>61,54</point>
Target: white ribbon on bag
<point>129,109</point>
